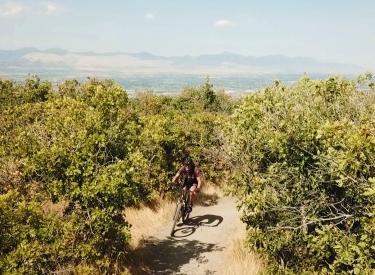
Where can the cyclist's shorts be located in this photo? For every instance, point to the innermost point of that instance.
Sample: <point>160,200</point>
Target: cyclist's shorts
<point>190,182</point>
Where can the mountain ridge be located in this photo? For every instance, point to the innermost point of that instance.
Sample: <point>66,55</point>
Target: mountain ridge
<point>225,62</point>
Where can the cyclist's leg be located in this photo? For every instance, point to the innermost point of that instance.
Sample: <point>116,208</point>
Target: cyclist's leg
<point>185,187</point>
<point>192,193</point>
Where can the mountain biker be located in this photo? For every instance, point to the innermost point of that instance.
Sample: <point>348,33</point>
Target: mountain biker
<point>192,179</point>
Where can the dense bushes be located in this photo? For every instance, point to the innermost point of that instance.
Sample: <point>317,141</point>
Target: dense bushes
<point>73,157</point>
<point>304,161</point>
<point>176,126</point>
<point>70,151</point>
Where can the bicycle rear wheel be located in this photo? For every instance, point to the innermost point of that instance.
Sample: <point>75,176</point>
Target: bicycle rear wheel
<point>176,217</point>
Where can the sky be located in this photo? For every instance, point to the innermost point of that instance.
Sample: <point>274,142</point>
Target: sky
<point>341,31</point>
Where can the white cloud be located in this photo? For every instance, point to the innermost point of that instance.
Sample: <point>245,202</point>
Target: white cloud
<point>224,23</point>
<point>53,8</point>
<point>149,16</point>
<point>11,9</point>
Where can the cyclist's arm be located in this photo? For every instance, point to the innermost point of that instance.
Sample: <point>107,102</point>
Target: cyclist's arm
<point>176,177</point>
<point>199,182</point>
<point>197,174</point>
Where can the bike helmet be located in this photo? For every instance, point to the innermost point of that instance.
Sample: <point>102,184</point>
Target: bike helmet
<point>188,161</point>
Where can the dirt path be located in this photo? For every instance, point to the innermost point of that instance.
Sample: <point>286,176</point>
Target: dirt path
<point>195,248</point>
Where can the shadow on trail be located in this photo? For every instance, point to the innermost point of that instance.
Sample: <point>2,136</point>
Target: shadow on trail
<point>205,220</point>
<point>193,223</point>
<point>167,256</point>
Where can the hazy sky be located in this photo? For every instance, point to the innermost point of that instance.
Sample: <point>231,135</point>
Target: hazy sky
<point>333,30</point>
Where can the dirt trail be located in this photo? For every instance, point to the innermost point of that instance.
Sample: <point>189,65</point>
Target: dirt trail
<point>195,248</point>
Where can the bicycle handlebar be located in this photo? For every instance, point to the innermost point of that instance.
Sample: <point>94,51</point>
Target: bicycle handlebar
<point>175,187</point>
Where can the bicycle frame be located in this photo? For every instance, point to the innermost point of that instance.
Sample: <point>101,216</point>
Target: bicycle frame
<point>182,208</point>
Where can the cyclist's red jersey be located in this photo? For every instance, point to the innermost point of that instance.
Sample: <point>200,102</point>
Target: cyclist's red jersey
<point>191,173</point>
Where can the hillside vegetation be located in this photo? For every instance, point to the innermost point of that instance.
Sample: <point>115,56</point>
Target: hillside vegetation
<point>73,157</point>
<point>304,170</point>
<point>299,158</point>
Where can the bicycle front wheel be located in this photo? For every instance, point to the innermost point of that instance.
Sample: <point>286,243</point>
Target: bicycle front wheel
<point>176,217</point>
<point>186,210</point>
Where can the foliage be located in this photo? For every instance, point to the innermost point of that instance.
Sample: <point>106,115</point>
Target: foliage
<point>73,157</point>
<point>12,94</point>
<point>72,150</point>
<point>176,126</point>
<point>303,160</point>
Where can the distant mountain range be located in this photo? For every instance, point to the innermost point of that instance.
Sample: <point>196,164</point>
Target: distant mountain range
<point>143,62</point>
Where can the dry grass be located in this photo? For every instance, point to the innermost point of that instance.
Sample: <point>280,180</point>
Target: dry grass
<point>145,222</point>
<point>154,215</point>
<point>239,259</point>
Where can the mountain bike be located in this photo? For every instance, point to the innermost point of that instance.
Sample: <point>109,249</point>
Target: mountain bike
<point>183,208</point>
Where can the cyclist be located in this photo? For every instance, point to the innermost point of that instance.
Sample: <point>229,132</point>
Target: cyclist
<point>192,178</point>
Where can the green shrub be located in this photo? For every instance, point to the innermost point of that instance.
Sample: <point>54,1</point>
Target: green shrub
<point>303,157</point>
<point>72,158</point>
